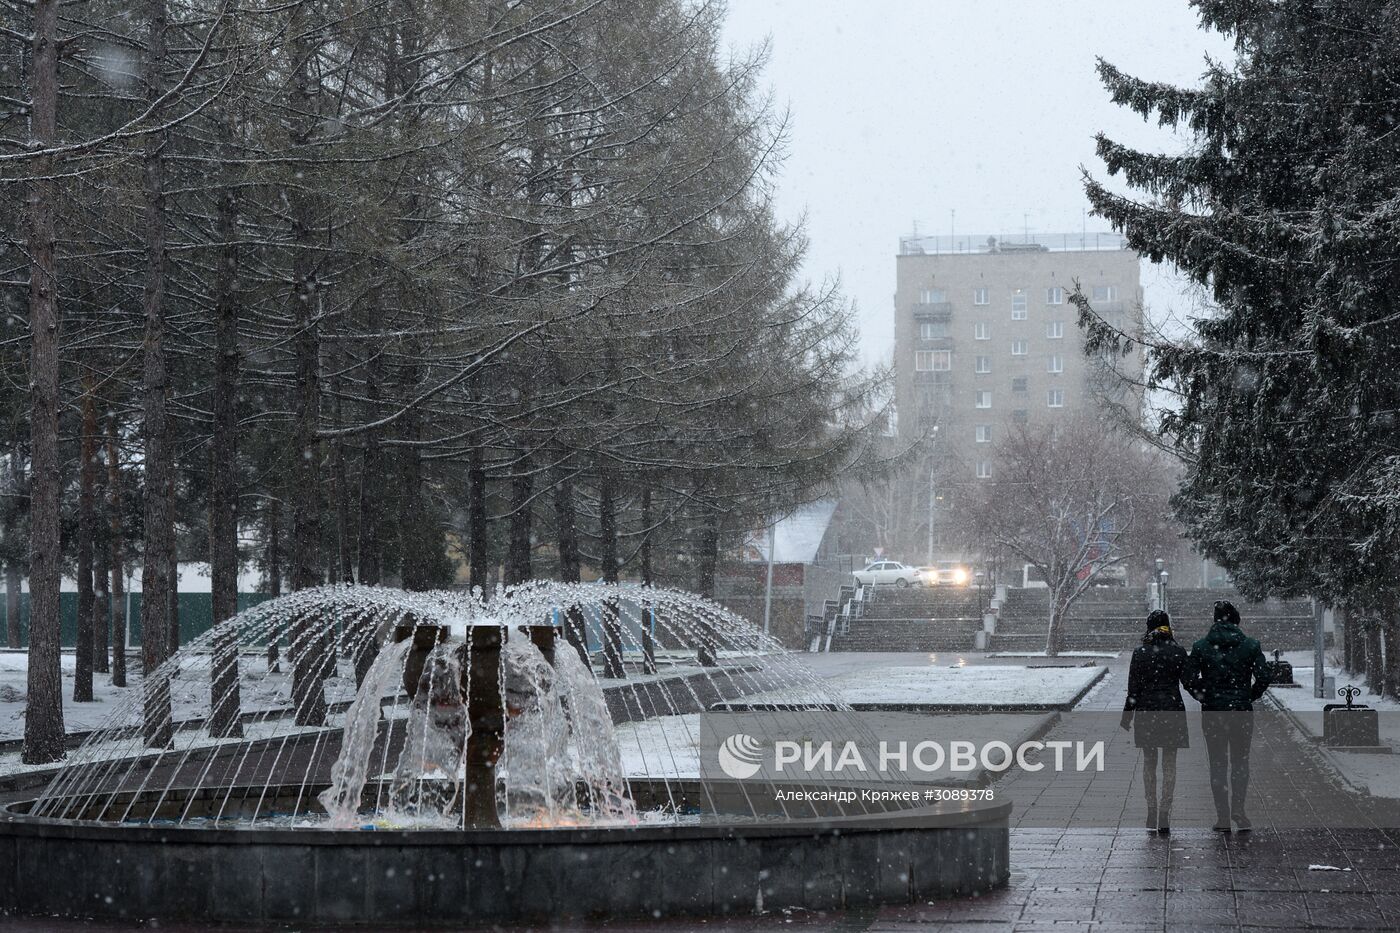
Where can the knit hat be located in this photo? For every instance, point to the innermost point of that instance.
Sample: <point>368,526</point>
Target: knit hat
<point>1158,618</point>
<point>1226,612</point>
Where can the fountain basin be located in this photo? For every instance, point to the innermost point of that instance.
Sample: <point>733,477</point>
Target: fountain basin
<point>825,861</point>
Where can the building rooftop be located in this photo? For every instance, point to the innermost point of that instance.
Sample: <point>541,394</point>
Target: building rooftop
<point>985,243</point>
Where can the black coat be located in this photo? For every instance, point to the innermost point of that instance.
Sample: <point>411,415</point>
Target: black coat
<point>1154,705</point>
<point>1227,670</point>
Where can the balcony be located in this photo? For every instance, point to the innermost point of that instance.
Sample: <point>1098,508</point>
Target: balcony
<point>938,311</point>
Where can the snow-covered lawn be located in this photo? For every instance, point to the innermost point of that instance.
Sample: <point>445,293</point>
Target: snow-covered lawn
<point>948,687</point>
<point>1379,774</point>
<point>189,693</point>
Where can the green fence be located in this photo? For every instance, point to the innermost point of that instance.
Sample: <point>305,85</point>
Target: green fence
<point>196,615</point>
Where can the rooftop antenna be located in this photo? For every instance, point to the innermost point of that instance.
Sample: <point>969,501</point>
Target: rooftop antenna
<point>953,230</point>
<point>1026,226</point>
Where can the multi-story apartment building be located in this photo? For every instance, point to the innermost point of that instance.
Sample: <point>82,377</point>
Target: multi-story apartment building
<point>986,338</point>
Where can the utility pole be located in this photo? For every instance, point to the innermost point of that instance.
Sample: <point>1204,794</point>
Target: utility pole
<point>768,590</point>
<point>932,497</point>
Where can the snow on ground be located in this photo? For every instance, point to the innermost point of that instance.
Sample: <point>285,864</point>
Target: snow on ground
<point>1062,654</point>
<point>668,747</point>
<point>189,693</point>
<point>947,687</point>
<point>1379,774</point>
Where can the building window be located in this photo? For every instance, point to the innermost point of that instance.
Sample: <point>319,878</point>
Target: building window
<point>1018,384</point>
<point>1018,305</point>
<point>1055,296</point>
<point>1055,330</point>
<point>980,296</point>
<point>981,331</point>
<point>1020,416</point>
<point>1055,398</point>
<point>933,296</point>
<point>984,399</point>
<point>984,433</point>
<point>984,364</point>
<point>933,330</point>
<point>1019,347</point>
<point>933,361</point>
<point>1057,364</point>
<point>1105,293</point>
<point>984,469</point>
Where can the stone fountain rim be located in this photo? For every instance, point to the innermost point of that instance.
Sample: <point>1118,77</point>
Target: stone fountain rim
<point>935,815</point>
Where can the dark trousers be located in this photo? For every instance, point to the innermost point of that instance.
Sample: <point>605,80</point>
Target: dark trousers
<point>1228,736</point>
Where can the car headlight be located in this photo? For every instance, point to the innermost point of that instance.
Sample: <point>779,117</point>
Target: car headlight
<point>959,576</point>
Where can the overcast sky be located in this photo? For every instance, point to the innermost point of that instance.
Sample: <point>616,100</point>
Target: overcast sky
<point>905,110</point>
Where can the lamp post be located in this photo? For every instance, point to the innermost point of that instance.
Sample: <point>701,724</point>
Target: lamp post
<point>1157,585</point>
<point>979,577</point>
<point>932,499</point>
<point>768,586</point>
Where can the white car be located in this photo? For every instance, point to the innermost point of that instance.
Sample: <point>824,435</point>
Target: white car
<point>889,571</point>
<point>947,573</point>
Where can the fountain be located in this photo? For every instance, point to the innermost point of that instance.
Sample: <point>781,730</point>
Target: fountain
<point>355,754</point>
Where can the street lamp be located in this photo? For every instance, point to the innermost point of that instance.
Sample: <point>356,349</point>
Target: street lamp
<point>1157,582</point>
<point>1165,575</point>
<point>932,499</point>
<point>979,577</point>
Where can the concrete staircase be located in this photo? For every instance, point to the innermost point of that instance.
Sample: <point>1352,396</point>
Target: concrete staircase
<point>1112,619</point>
<point>916,619</point>
<point>1103,619</point>
<point>1284,624</point>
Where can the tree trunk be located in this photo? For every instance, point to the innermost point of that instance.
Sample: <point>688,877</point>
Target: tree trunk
<point>566,518</point>
<point>707,565</point>
<point>116,550</point>
<point>1392,652</point>
<point>345,563</point>
<point>43,720</point>
<point>521,511</point>
<point>307,652</point>
<point>648,610</point>
<point>570,565</point>
<point>612,621</point>
<point>224,696</point>
<point>102,601</point>
<point>1375,660</point>
<point>371,559</point>
<point>157,562</point>
<point>370,563</point>
<point>13,571</point>
<point>478,554</point>
<point>172,638</point>
<point>87,482</point>
<point>13,632</point>
<point>273,537</point>
<point>421,547</point>
<point>1055,634</point>
<point>1353,658</point>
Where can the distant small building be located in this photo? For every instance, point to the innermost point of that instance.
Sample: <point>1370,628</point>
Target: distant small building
<point>807,571</point>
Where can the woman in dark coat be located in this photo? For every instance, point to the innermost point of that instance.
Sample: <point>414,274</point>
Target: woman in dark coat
<point>1156,714</point>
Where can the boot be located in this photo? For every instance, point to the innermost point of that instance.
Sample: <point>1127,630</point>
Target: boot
<point>1242,823</point>
<point>1164,820</point>
<point>1151,817</point>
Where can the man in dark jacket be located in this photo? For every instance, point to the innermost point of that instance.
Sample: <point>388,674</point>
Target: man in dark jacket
<point>1227,672</point>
